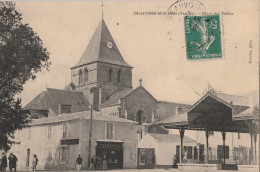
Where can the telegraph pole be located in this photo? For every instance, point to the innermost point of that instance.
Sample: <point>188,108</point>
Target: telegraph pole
<point>90,134</point>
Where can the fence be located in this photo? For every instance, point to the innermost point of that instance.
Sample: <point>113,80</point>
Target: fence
<point>239,155</point>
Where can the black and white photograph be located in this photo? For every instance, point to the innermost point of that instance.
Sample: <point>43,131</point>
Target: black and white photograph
<point>129,85</point>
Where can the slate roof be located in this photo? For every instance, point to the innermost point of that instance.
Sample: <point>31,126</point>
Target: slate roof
<point>114,98</point>
<point>52,97</point>
<point>236,100</point>
<point>80,115</point>
<point>168,109</point>
<point>97,50</point>
<point>181,118</point>
<point>170,138</point>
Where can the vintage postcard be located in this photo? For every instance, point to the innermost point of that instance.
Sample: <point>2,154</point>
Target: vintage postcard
<point>127,85</point>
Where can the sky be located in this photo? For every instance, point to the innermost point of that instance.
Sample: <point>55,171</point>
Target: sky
<point>152,44</point>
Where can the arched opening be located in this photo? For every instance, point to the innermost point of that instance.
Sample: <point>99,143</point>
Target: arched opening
<point>119,76</point>
<point>110,75</point>
<point>85,75</point>
<point>140,118</point>
<point>80,77</point>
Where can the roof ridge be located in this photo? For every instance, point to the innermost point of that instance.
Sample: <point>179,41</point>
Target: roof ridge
<point>172,102</point>
<point>63,90</point>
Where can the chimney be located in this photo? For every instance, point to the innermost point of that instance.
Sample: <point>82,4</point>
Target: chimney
<point>95,93</point>
<point>64,109</point>
<point>178,110</point>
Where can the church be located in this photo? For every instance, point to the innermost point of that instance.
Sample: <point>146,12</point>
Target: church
<point>103,79</point>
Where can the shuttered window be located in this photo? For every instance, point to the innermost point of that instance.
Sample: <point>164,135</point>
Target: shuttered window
<point>109,131</point>
<point>220,150</point>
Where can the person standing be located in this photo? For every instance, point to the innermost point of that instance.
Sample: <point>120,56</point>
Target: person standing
<point>78,163</point>
<point>98,163</point>
<point>12,162</point>
<point>104,163</point>
<point>185,156</point>
<point>4,162</point>
<point>175,160</point>
<point>92,163</point>
<point>34,162</point>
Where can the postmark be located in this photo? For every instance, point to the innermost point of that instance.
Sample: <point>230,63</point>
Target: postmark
<point>203,37</point>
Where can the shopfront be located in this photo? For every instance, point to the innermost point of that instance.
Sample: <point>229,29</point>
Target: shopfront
<point>113,151</point>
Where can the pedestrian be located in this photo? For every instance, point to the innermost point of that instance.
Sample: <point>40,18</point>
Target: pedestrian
<point>175,160</point>
<point>78,163</point>
<point>98,163</point>
<point>4,162</point>
<point>185,156</point>
<point>92,163</point>
<point>34,162</point>
<point>104,163</point>
<point>12,161</point>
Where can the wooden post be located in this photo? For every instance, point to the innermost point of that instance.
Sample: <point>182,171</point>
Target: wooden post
<point>251,149</point>
<point>207,140</point>
<point>181,136</point>
<point>207,145</point>
<point>224,145</point>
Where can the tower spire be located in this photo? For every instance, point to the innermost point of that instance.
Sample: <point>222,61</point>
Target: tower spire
<point>102,5</point>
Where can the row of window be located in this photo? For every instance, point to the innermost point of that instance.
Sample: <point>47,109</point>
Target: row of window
<point>83,76</point>
<point>109,130</point>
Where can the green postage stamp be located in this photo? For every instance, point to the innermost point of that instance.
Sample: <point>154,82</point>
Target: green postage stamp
<point>203,37</point>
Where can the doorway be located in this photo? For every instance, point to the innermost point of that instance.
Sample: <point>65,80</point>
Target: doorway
<point>146,158</point>
<point>201,154</point>
<point>28,158</point>
<point>113,152</point>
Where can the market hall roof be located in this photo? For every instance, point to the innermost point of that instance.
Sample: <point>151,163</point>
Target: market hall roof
<point>97,116</point>
<point>102,48</point>
<point>51,98</point>
<point>221,117</point>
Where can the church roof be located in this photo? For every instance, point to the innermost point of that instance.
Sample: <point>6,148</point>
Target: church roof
<point>51,98</point>
<point>102,48</point>
<point>114,98</point>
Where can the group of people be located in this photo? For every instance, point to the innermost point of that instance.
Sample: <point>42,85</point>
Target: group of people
<point>13,161</point>
<point>96,163</point>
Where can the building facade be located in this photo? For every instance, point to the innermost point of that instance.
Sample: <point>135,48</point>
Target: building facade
<point>57,141</point>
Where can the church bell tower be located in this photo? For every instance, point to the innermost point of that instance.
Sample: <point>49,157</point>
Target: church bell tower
<point>101,70</point>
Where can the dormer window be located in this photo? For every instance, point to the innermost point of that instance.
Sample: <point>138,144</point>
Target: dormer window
<point>119,76</point>
<point>80,77</point>
<point>110,75</point>
<point>85,75</point>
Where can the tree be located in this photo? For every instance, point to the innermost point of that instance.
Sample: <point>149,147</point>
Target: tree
<point>22,55</point>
